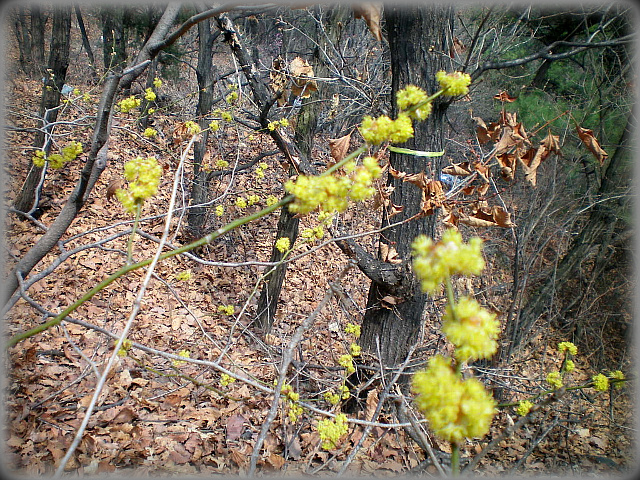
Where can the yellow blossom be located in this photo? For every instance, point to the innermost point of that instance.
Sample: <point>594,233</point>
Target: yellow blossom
<point>241,202</point>
<point>472,329</point>
<point>149,132</point>
<point>183,354</point>
<point>149,95</point>
<point>455,408</point>
<point>219,210</point>
<point>455,83</point>
<point>332,430</point>
<point>568,346</point>
<point>524,407</point>
<point>433,261</point>
<point>554,379</point>
<point>283,244</point>
<point>600,382</point>
<point>226,309</point>
<point>157,82</point>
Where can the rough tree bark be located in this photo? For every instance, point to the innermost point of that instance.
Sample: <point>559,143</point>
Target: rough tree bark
<point>206,74</point>
<point>27,200</point>
<point>417,37</point>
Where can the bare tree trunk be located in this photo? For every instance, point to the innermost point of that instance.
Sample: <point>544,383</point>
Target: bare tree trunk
<point>58,63</point>
<point>206,74</point>
<point>38,22</point>
<point>416,36</point>
<point>306,127</point>
<point>86,43</point>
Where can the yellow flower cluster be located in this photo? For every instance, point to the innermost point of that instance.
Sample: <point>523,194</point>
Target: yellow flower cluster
<point>184,275</point>
<point>219,211</point>
<point>414,100</point>
<point>313,233</point>
<point>434,262</point>
<point>382,129</point>
<point>600,382</point>
<point>271,200</point>
<point>352,329</point>
<point>455,408</point>
<point>149,95</point>
<point>472,329</point>
<point>225,379</point>
<point>332,430</point>
<point>183,354</point>
<point>124,349</point>
<point>295,409</point>
<point>214,125</point>
<point>355,350</point>
<point>143,175</point>
<point>617,375</point>
<point>332,192</point>
<point>192,127</point>
<point>568,346</point>
<point>331,397</point>
<point>262,166</point>
<point>346,361</point>
<point>455,83</point>
<point>283,122</point>
<point>56,160</point>
<point>253,199</point>
<point>524,407</point>
<point>226,309</point>
<point>241,202</point>
<point>220,163</point>
<point>157,82</point>
<point>345,393</point>
<point>127,104</point>
<point>569,366</point>
<point>554,379</point>
<point>232,97</point>
<point>149,132</point>
<point>283,244</point>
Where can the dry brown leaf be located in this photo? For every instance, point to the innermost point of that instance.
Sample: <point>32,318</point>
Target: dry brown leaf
<point>502,217</point>
<point>235,427</point>
<point>504,97</point>
<point>370,12</point>
<point>114,185</point>
<point>275,460</point>
<point>457,169</point>
<point>302,84</point>
<point>339,147</point>
<point>590,141</point>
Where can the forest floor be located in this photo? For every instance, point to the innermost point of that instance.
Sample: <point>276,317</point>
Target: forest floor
<point>162,417</point>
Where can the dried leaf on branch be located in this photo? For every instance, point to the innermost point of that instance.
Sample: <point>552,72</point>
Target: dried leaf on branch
<point>339,147</point>
<point>590,141</point>
<point>370,12</point>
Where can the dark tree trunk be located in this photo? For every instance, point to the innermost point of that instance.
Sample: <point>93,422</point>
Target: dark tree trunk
<point>417,35</point>
<point>206,74</point>
<point>306,127</point>
<point>86,43</point>
<point>113,38</point>
<point>58,64</point>
<point>24,41</point>
<point>38,22</point>
<point>596,236</point>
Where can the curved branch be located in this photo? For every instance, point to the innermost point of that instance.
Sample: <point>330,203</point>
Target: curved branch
<point>545,53</point>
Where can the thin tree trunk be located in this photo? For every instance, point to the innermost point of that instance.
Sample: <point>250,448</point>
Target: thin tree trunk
<point>37,39</point>
<point>58,63</point>
<point>206,74</point>
<point>416,35</point>
<point>86,43</point>
<point>305,130</point>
